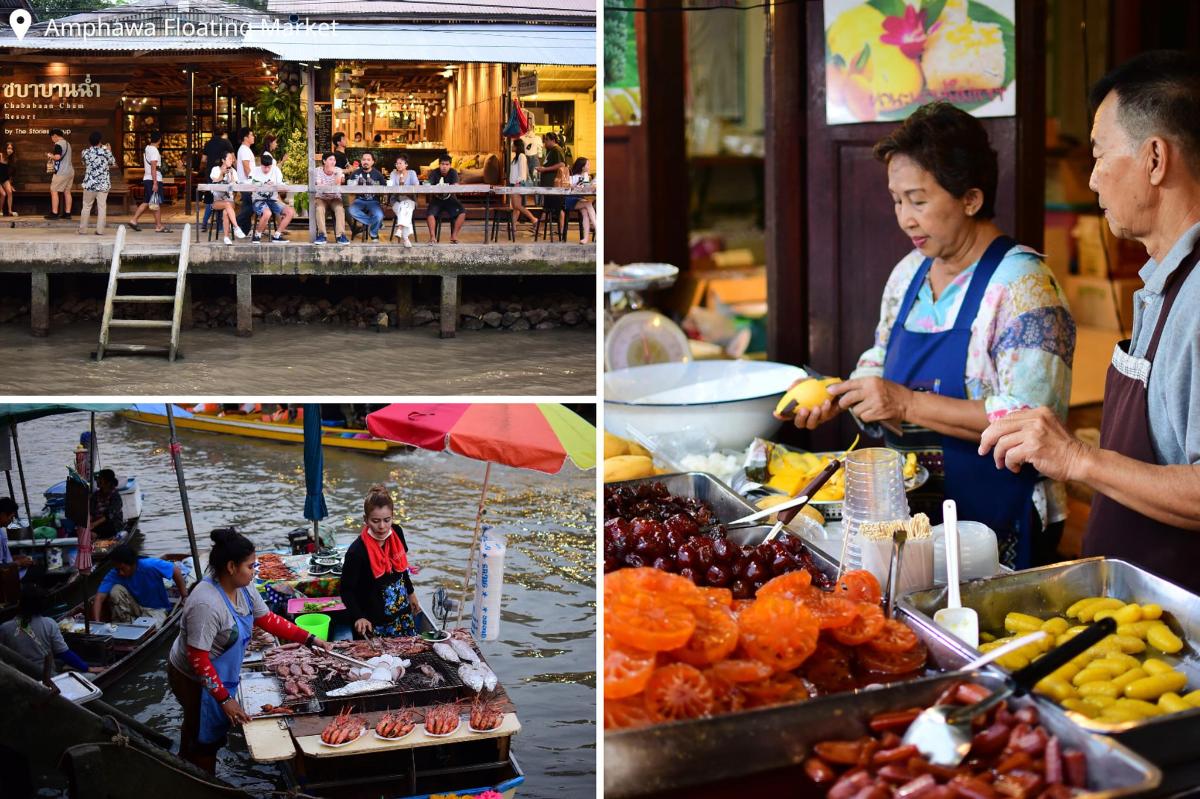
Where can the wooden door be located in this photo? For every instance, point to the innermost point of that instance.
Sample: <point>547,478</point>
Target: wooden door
<point>825,304</point>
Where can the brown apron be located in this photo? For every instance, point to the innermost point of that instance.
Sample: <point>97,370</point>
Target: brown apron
<point>1114,530</point>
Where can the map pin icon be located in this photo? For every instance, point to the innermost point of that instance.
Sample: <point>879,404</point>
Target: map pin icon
<point>20,20</point>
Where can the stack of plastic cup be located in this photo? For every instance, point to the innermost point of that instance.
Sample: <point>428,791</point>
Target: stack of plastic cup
<point>874,493</point>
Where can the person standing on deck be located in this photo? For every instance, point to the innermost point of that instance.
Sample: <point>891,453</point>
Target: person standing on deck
<point>1146,470</point>
<point>97,182</point>
<point>64,175</point>
<point>151,185</point>
<point>376,584</point>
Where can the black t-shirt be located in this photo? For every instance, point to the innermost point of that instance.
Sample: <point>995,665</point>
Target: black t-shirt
<point>340,159</point>
<point>554,155</point>
<point>215,150</point>
<point>450,178</point>
<point>362,177</point>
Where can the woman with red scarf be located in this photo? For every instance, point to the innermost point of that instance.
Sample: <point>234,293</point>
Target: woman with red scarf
<point>376,587</point>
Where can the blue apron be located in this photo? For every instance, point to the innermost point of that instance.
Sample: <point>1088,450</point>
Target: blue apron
<point>214,724</point>
<point>937,362</point>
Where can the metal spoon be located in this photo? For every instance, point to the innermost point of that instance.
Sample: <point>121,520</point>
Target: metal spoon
<point>943,732</point>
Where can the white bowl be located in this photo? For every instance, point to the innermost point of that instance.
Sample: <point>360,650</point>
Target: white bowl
<point>732,401</point>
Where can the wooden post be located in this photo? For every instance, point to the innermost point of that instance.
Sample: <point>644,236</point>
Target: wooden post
<point>448,322</point>
<point>216,109</point>
<point>245,308</point>
<point>309,91</point>
<point>404,302</point>
<point>39,303</point>
<point>187,163</point>
<point>787,267</point>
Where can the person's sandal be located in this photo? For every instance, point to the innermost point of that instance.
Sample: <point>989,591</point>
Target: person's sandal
<point>136,226</point>
<point>162,230</point>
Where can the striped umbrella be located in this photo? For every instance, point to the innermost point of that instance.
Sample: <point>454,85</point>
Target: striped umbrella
<point>538,436</point>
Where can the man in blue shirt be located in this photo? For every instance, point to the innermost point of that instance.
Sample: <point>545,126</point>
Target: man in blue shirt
<point>1146,471</point>
<point>135,587</point>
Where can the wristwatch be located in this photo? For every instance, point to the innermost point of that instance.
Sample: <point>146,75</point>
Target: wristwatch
<point>310,640</point>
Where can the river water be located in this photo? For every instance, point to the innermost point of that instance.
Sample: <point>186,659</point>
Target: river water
<point>307,360</point>
<point>546,654</point>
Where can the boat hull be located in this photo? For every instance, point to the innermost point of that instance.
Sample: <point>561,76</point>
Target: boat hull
<point>250,427</point>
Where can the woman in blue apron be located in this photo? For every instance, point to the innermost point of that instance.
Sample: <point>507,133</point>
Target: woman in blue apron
<point>972,327</point>
<point>205,664</point>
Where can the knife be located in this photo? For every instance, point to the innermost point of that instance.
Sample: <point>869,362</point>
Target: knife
<point>866,427</point>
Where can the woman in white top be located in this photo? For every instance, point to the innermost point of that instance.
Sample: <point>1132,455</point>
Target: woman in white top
<point>518,175</point>
<point>404,204</point>
<point>587,211</point>
<point>226,172</point>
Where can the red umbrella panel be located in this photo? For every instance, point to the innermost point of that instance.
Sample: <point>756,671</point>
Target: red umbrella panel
<point>515,434</point>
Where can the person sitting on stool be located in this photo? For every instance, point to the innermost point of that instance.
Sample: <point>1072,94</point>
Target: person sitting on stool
<point>445,205</point>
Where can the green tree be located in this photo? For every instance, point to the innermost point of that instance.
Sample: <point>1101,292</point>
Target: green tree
<point>277,111</point>
<point>295,165</point>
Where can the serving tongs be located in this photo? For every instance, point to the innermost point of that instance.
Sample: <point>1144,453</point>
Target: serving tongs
<point>943,732</point>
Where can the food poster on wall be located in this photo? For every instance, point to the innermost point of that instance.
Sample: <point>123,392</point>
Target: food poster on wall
<point>885,58</point>
<point>622,83</point>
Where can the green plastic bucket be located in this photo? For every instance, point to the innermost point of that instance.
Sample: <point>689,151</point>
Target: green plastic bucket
<point>315,623</point>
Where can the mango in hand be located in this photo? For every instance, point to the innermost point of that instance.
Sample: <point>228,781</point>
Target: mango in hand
<point>807,394</point>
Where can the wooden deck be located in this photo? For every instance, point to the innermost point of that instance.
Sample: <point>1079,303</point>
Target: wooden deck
<point>41,252</point>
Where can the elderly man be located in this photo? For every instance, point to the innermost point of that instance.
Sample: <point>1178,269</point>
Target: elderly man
<point>1146,471</point>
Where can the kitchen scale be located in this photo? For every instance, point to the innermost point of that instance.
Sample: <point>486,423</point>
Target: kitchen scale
<point>644,337</point>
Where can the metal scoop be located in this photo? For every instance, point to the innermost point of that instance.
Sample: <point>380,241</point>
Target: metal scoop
<point>962,623</point>
<point>943,732</point>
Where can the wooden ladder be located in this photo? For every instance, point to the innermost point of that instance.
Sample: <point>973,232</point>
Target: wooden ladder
<point>115,276</point>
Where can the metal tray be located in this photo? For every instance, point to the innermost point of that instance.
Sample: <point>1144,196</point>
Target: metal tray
<point>738,745</point>
<point>666,756</point>
<point>1050,590</point>
<point>76,687</point>
<point>728,505</point>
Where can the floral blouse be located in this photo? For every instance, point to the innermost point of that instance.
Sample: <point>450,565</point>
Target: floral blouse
<point>1021,347</point>
<point>96,163</point>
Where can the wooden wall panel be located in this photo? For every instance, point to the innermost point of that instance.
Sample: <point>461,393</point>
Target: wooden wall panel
<point>475,109</point>
<point>77,116</point>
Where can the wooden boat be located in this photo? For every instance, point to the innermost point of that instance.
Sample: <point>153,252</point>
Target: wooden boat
<point>121,654</point>
<point>255,426</point>
<point>64,586</point>
<point>466,763</point>
<point>100,750</point>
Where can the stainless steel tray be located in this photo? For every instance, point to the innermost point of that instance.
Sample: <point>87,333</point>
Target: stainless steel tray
<point>728,505</point>
<point>738,745</point>
<point>653,759</point>
<point>1050,590</point>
